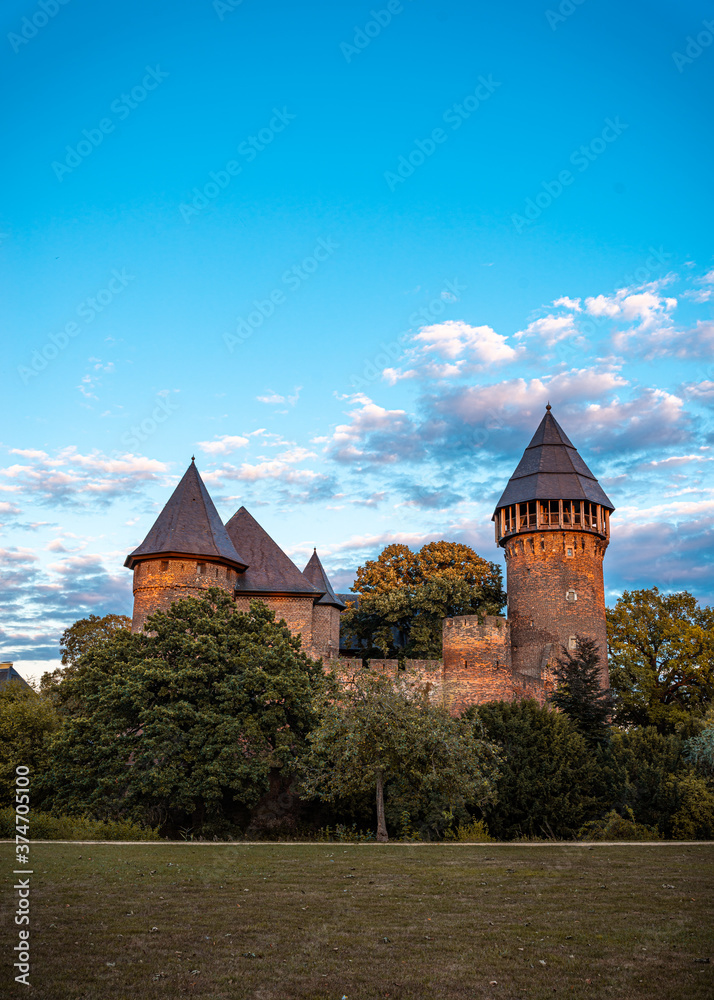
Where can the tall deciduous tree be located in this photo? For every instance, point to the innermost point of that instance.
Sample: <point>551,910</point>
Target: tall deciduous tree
<point>187,719</point>
<point>580,694</point>
<point>27,721</point>
<point>383,728</point>
<point>661,657</point>
<point>397,566</point>
<point>86,635</point>
<point>404,596</point>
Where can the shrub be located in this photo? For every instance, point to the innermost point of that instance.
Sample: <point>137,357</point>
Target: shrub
<point>44,826</point>
<point>617,827</point>
<point>474,832</point>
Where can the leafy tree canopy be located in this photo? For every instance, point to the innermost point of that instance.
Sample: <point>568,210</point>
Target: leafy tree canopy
<point>579,693</point>
<point>185,719</point>
<point>405,595</point>
<point>397,566</point>
<point>88,634</point>
<point>384,730</point>
<point>661,658</point>
<point>549,783</point>
<point>27,720</point>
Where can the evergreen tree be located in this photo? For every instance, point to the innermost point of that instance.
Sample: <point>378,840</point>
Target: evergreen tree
<point>579,694</point>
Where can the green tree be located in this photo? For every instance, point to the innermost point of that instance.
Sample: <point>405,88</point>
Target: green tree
<point>383,730</point>
<point>187,720</point>
<point>579,693</point>
<point>27,720</point>
<point>550,782</point>
<point>407,595</point>
<point>661,658</point>
<point>85,635</point>
<point>657,782</point>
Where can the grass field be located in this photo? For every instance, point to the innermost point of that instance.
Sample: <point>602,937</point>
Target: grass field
<point>399,922</point>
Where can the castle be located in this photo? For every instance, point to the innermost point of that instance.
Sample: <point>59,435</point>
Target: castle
<point>552,520</point>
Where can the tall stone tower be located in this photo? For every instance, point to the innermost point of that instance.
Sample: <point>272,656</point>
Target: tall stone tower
<point>553,522</point>
<point>187,550</point>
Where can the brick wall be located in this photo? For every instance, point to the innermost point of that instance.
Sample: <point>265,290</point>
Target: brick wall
<point>427,672</point>
<point>295,609</point>
<point>540,573</point>
<point>477,661</point>
<point>160,582</point>
<point>325,631</point>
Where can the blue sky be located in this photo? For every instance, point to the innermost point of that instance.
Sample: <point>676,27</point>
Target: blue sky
<point>345,254</point>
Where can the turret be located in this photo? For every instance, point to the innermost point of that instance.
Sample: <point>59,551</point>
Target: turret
<point>326,612</point>
<point>187,551</point>
<point>553,522</point>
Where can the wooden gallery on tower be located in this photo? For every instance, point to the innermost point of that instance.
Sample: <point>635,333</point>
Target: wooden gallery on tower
<point>552,521</point>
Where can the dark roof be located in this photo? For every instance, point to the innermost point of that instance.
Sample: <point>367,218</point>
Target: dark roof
<point>189,525</point>
<point>552,469</point>
<point>269,571</point>
<point>349,597</point>
<point>8,673</point>
<point>317,576</point>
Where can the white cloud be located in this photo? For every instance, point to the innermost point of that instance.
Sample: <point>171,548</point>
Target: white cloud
<point>454,338</point>
<point>551,329</point>
<point>224,445</point>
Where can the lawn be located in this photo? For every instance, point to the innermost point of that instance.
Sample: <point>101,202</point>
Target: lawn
<point>401,922</point>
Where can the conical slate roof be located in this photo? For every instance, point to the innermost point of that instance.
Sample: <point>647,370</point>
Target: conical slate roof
<point>317,576</point>
<point>189,525</point>
<point>269,571</point>
<point>552,469</point>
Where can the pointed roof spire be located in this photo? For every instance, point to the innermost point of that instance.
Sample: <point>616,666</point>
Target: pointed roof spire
<point>189,525</point>
<point>317,576</point>
<point>270,570</point>
<point>552,469</point>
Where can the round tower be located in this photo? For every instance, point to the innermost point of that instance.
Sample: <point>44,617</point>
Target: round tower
<point>186,552</point>
<point>553,522</point>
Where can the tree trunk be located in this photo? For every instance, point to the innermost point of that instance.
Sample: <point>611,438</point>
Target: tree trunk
<point>382,835</point>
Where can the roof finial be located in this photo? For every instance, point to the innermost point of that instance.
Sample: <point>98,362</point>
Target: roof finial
<point>193,458</point>
<point>548,406</point>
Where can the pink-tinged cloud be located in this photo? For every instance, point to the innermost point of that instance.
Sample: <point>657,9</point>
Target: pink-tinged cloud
<point>223,445</point>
